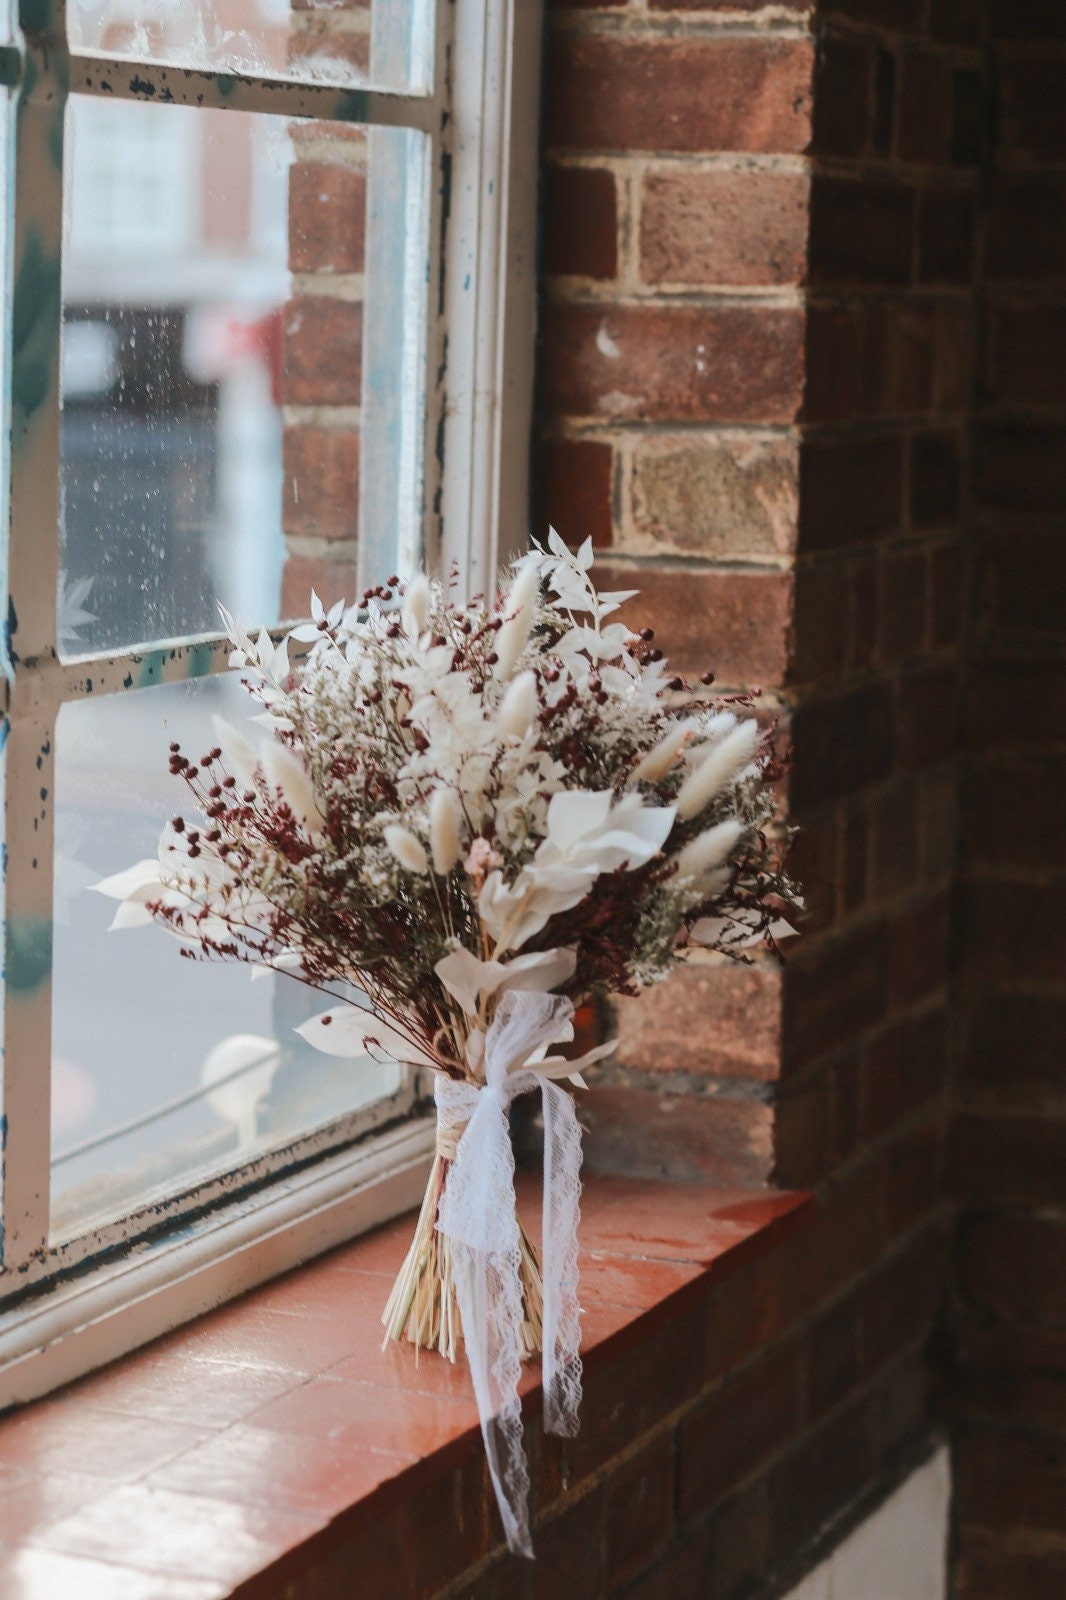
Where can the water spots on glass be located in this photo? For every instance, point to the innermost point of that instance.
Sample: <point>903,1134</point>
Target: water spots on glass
<point>29,953</point>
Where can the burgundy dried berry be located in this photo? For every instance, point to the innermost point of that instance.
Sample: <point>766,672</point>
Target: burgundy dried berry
<point>249,796</point>
<point>647,634</point>
<point>192,772</point>
<point>229,783</point>
<point>707,677</point>
<point>175,746</point>
<point>492,658</point>
<point>214,791</point>
<point>178,824</point>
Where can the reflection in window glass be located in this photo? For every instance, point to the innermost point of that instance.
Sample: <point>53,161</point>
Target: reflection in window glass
<point>175,273</point>
<point>234,287</point>
<point>345,42</point>
<point>162,1068</point>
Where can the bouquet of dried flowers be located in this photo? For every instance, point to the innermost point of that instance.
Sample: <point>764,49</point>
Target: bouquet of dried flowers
<point>469,818</point>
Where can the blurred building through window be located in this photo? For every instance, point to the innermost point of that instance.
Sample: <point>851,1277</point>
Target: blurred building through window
<point>175,274</point>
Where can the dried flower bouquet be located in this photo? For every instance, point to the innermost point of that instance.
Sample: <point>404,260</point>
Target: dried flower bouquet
<point>470,818</point>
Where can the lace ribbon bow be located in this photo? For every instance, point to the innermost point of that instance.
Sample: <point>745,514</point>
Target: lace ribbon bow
<point>477,1212</point>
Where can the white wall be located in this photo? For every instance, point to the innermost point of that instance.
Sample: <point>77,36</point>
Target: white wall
<point>900,1553</point>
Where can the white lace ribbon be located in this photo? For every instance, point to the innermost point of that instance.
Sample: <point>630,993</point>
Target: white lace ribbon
<point>477,1212</point>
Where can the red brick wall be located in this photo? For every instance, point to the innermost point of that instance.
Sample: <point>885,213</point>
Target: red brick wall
<point>779,265</point>
<point>1008,1148</point>
<point>322,361</point>
<point>758,348</point>
<point>758,360</point>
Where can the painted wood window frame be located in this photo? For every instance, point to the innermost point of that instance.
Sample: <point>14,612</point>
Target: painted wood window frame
<point>112,1288</point>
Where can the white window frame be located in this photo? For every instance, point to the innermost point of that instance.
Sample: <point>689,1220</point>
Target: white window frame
<point>112,1288</point>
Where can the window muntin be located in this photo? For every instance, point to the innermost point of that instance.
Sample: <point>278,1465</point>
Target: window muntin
<point>453,171</point>
<point>379,42</point>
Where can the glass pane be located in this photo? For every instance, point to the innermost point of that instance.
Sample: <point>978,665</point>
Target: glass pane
<point>218,275</point>
<point>383,43</point>
<point>163,1068</point>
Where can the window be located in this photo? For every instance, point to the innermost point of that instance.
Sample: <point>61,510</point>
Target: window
<point>183,178</point>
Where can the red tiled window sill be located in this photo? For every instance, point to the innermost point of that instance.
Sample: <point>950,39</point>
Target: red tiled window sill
<point>274,1439</point>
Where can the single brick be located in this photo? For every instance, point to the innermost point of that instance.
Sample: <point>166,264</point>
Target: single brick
<point>1010,1267</point>
<point>1025,584</point>
<point>327,218</point>
<point>723,227</point>
<point>954,22</point>
<point>925,108</point>
<point>821,625</point>
<point>1026,366</point>
<point>721,497</point>
<point>926,709</point>
<point>682,1136</point>
<point>935,479</point>
<point>673,363</point>
<point>1033,108</point>
<point>1021,466</point>
<point>918,958</point>
<point>894,840</point>
<point>841,743</point>
<point>733,1431</point>
<point>851,491</point>
<point>323,350</point>
<point>902,1069</point>
<point>1012,1160</point>
<point>902,606</point>
<point>331,580</point>
<point>321,482</point>
<point>580,222</point>
<point>1018,250</point>
<point>833,993</point>
<point>861,231</point>
<point>843,95</point>
<point>734,622</point>
<point>720,1020</point>
<point>946,236</point>
<point>573,490</point>
<point>618,92</point>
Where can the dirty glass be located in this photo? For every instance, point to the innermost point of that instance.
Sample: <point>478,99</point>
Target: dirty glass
<point>163,1068</point>
<point>243,305</point>
<point>350,43</point>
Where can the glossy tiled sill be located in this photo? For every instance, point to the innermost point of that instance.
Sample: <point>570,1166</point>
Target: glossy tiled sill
<point>188,1469</point>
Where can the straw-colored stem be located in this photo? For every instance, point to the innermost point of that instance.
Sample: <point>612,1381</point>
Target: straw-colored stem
<point>422,1307</point>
